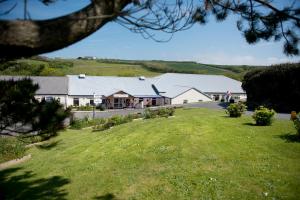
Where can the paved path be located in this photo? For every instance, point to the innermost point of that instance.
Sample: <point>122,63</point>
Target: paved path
<point>210,105</point>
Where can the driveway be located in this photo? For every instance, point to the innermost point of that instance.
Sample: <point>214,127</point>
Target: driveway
<point>210,105</point>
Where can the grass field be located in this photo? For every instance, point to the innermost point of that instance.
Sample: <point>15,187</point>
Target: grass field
<point>198,154</point>
<point>107,67</point>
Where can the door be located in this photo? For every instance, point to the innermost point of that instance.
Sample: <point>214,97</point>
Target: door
<point>117,103</point>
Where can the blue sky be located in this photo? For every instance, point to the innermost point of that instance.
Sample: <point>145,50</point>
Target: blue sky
<point>213,43</point>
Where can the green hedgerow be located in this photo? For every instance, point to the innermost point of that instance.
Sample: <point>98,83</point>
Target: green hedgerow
<point>263,116</point>
<point>236,109</point>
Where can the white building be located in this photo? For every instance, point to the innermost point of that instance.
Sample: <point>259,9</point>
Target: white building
<point>50,87</point>
<point>136,92</point>
<point>116,92</point>
<point>191,88</point>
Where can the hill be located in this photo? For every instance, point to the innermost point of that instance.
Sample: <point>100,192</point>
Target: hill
<point>110,67</point>
<point>198,154</point>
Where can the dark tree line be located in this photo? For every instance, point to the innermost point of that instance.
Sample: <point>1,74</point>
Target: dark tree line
<point>22,114</point>
<point>277,87</point>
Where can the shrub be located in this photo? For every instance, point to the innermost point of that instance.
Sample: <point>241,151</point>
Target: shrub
<point>160,112</point>
<point>276,86</point>
<point>113,121</point>
<point>263,116</point>
<point>100,107</point>
<point>86,122</point>
<point>11,148</point>
<point>149,114</point>
<point>117,119</point>
<point>296,119</point>
<point>85,108</point>
<point>236,109</point>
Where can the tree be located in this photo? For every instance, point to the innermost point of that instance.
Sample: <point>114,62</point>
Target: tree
<point>21,113</point>
<point>259,20</point>
<point>276,87</point>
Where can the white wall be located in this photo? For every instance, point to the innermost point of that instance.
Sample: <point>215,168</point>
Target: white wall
<point>191,96</point>
<point>146,101</point>
<point>63,99</point>
<point>83,100</point>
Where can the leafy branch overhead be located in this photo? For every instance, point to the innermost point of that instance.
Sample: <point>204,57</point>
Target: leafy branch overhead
<point>258,20</point>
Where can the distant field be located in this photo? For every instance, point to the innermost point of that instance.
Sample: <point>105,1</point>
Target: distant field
<point>108,67</point>
<point>96,68</point>
<point>198,154</point>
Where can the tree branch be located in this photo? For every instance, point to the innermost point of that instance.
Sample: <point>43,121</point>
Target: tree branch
<point>24,38</point>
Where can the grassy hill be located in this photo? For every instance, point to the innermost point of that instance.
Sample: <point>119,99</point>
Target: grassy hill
<point>198,154</point>
<point>111,67</point>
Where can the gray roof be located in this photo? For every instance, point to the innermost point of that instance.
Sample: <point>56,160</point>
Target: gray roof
<point>108,85</point>
<point>48,85</point>
<point>173,84</point>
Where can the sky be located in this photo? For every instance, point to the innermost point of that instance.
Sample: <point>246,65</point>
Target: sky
<point>214,43</point>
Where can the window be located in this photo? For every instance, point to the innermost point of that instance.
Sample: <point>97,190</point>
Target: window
<point>185,101</point>
<point>216,97</point>
<point>153,101</point>
<point>75,101</point>
<point>140,100</point>
<point>92,102</point>
<point>48,99</point>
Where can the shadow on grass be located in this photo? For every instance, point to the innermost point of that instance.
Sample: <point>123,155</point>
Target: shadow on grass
<point>289,137</point>
<point>48,145</point>
<point>249,124</point>
<point>24,186</point>
<point>107,196</point>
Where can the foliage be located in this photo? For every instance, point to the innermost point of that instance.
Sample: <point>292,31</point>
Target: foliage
<point>11,148</point>
<point>115,120</point>
<point>263,116</point>
<point>296,119</point>
<point>86,122</point>
<point>101,107</point>
<point>257,20</point>
<point>35,67</point>
<point>196,155</point>
<point>21,113</point>
<point>83,108</point>
<point>277,86</point>
<point>158,112</point>
<point>236,109</point>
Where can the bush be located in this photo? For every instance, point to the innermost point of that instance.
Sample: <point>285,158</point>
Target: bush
<point>236,109</point>
<point>160,112</point>
<point>11,148</point>
<point>277,87</point>
<point>296,119</point>
<point>86,122</point>
<point>263,116</point>
<point>84,108</point>
<point>113,121</point>
<point>117,120</point>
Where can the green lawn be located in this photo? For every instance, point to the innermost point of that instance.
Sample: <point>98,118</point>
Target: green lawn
<point>198,154</point>
<point>92,67</point>
<point>108,67</point>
